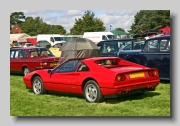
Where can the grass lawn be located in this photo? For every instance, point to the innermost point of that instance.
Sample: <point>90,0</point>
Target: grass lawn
<point>23,102</point>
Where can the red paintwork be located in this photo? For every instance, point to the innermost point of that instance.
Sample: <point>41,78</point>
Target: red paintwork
<point>33,63</point>
<point>73,81</point>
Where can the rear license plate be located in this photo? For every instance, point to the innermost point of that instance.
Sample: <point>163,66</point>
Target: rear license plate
<point>136,75</point>
<point>54,64</point>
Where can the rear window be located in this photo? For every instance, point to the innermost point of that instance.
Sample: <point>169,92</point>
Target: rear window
<point>105,62</point>
<point>36,52</point>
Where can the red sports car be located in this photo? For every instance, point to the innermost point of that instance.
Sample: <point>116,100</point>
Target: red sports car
<point>95,78</point>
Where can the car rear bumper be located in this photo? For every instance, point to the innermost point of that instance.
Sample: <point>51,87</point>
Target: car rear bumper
<point>129,89</point>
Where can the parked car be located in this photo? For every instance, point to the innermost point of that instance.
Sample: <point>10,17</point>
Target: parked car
<point>95,78</point>
<point>154,54</point>
<point>24,60</point>
<point>112,47</point>
<point>43,43</point>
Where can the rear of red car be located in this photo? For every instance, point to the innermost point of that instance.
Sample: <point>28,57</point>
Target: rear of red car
<point>133,81</point>
<point>47,63</point>
<point>129,77</point>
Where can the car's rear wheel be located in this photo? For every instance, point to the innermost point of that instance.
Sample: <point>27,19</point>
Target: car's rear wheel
<point>38,86</point>
<point>92,92</point>
<point>26,71</point>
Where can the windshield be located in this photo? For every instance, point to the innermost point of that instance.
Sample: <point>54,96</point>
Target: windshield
<point>111,37</point>
<point>37,52</point>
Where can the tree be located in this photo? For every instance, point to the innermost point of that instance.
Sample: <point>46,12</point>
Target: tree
<point>120,29</point>
<point>16,18</point>
<point>57,29</point>
<point>87,23</point>
<point>150,20</point>
<point>34,26</point>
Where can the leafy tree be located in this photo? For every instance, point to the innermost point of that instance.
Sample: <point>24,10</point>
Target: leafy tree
<point>87,23</point>
<point>150,20</point>
<point>34,26</point>
<point>57,29</point>
<point>16,18</point>
<point>120,29</point>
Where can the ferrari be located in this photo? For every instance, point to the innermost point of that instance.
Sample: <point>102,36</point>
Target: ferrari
<point>95,78</point>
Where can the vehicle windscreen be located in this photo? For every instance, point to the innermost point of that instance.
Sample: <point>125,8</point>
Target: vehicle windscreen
<point>58,39</point>
<point>111,37</point>
<point>39,52</point>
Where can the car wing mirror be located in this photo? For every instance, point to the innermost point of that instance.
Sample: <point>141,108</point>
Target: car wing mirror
<point>49,71</point>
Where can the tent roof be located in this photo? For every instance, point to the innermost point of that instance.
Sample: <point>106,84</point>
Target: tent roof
<point>117,32</point>
<point>79,44</point>
<point>19,37</point>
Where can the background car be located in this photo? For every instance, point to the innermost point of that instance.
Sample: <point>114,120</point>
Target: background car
<point>43,43</point>
<point>24,60</point>
<point>95,78</point>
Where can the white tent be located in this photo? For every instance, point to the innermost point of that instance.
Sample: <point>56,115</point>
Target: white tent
<point>18,37</point>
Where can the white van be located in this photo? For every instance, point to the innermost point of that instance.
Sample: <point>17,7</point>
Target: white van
<point>99,36</point>
<point>53,39</point>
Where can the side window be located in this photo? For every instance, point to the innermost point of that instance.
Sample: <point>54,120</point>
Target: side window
<point>22,54</point>
<point>104,37</point>
<point>51,39</point>
<point>164,45</point>
<point>16,54</point>
<point>151,46</point>
<point>69,66</point>
<point>83,67</point>
<point>12,52</point>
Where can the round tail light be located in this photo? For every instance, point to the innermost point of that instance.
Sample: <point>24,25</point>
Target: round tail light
<point>120,77</point>
<point>152,73</point>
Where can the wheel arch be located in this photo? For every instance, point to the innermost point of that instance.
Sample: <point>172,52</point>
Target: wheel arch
<point>34,75</point>
<point>24,67</point>
<point>86,80</point>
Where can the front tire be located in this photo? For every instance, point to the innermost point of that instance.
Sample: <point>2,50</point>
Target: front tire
<point>38,86</point>
<point>92,92</point>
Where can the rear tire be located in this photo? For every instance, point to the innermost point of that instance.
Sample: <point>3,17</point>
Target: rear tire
<point>92,92</point>
<point>38,86</point>
<point>26,71</point>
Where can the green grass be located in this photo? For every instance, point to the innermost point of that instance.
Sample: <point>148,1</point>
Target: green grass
<point>23,102</point>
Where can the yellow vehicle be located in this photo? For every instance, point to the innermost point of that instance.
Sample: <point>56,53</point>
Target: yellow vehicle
<point>56,51</point>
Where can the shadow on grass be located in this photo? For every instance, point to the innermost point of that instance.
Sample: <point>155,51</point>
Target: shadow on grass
<point>60,94</point>
<point>165,81</point>
<point>17,74</point>
<point>107,100</point>
<point>131,97</point>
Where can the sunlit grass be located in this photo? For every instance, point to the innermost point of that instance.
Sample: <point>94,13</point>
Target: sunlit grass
<point>23,102</point>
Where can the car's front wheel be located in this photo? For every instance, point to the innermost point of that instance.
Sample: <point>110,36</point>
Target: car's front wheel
<point>92,92</point>
<point>38,86</point>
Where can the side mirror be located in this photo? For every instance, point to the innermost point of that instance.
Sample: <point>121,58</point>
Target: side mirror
<point>49,71</point>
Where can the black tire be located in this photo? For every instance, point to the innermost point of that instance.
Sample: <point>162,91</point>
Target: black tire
<point>26,71</point>
<point>92,92</point>
<point>38,86</point>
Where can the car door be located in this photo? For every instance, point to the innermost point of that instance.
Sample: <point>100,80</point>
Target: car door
<point>61,77</point>
<point>164,57</point>
<point>16,60</point>
<point>151,55</point>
